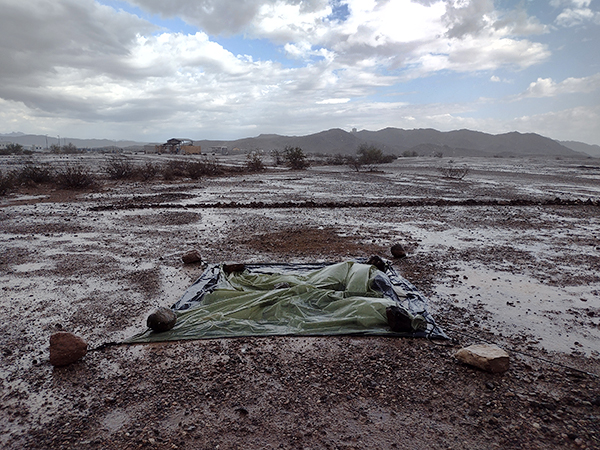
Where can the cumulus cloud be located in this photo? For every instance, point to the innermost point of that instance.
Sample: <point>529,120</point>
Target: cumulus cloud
<point>575,13</point>
<point>93,63</point>
<point>546,87</point>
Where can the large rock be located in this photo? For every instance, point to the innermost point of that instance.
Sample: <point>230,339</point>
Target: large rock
<point>486,357</point>
<point>193,256</point>
<point>163,319</point>
<point>398,251</point>
<point>66,348</point>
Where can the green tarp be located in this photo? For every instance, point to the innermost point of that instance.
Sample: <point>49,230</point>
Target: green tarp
<point>344,298</point>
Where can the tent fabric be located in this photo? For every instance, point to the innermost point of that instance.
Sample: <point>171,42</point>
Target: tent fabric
<point>308,300</point>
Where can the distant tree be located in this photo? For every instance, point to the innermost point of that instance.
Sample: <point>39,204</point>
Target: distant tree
<point>337,160</point>
<point>277,157</point>
<point>55,148</point>
<point>254,161</point>
<point>409,153</point>
<point>295,158</point>
<point>12,149</point>
<point>370,156</point>
<point>70,148</point>
<point>354,162</point>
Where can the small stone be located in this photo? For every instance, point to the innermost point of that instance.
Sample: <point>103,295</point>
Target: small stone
<point>66,348</point>
<point>486,357</point>
<point>398,251</point>
<point>163,319</point>
<point>191,257</point>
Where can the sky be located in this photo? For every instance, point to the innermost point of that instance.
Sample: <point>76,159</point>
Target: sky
<point>149,70</point>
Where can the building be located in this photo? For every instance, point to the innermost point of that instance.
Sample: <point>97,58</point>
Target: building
<point>179,147</point>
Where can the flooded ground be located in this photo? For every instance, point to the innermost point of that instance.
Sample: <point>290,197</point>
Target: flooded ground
<point>516,266</point>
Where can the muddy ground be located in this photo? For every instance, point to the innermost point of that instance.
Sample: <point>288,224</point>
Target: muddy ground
<point>508,255</point>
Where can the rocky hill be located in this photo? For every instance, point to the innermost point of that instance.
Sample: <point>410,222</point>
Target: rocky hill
<point>423,142</point>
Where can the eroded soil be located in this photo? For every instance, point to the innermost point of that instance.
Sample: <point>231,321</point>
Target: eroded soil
<point>513,267</point>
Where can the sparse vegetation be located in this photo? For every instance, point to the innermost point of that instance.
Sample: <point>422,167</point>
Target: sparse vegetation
<point>75,177</point>
<point>12,149</point>
<point>409,153</point>
<point>32,173</point>
<point>6,183</point>
<point>120,168</point>
<point>295,158</point>
<point>65,149</point>
<point>277,157</point>
<point>337,160</point>
<point>370,156</point>
<point>254,162</point>
<point>149,171</point>
<point>203,167</point>
<point>454,172</point>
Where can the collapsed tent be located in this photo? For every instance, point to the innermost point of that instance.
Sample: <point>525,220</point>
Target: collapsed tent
<point>348,298</point>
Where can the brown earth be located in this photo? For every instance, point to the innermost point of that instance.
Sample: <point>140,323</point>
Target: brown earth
<point>97,263</point>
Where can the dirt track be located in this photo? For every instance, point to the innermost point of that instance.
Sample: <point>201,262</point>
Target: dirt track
<point>501,259</point>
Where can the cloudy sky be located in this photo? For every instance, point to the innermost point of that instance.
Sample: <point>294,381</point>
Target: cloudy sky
<point>149,70</point>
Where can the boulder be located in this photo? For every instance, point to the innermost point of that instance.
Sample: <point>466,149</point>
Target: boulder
<point>66,348</point>
<point>163,319</point>
<point>398,251</point>
<point>485,357</point>
<point>193,256</point>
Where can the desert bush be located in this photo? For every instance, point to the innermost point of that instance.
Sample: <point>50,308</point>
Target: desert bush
<point>370,156</point>
<point>254,162</point>
<point>204,167</point>
<point>409,153</point>
<point>337,160</point>
<point>173,169</point>
<point>32,173</point>
<point>75,177</point>
<point>149,171</point>
<point>295,158</point>
<point>277,157</point>
<point>455,172</point>
<point>192,169</point>
<point>6,183</point>
<point>119,168</point>
<point>12,149</point>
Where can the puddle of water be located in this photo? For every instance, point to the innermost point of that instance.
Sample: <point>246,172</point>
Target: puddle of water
<point>518,304</point>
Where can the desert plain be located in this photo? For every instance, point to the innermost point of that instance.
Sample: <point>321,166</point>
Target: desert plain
<point>508,255</point>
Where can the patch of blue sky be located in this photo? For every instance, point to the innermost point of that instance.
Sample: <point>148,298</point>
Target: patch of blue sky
<point>171,25</point>
<point>260,50</point>
<point>339,11</point>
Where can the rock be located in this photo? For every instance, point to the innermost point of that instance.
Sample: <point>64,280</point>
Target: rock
<point>377,262</point>
<point>163,319</point>
<point>231,268</point>
<point>398,251</point>
<point>66,348</point>
<point>193,256</point>
<point>486,357</point>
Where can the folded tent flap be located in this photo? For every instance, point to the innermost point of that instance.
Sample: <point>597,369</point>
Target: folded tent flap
<point>295,299</point>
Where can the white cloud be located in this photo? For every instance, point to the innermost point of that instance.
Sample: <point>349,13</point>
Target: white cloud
<point>575,12</point>
<point>77,64</point>
<point>577,124</point>
<point>333,101</point>
<point>546,87</point>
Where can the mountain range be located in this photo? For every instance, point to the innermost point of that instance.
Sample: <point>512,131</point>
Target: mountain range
<point>424,142</point>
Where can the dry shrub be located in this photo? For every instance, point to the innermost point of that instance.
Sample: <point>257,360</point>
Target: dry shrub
<point>32,173</point>
<point>6,183</point>
<point>75,177</point>
<point>455,172</point>
<point>120,168</point>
